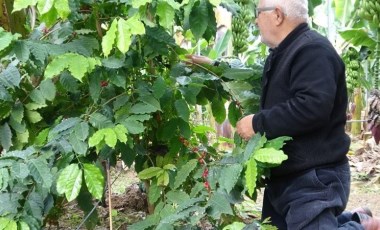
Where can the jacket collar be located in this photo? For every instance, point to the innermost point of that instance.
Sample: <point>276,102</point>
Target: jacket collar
<point>290,38</point>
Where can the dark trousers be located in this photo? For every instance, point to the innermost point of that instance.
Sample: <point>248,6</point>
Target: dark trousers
<point>313,200</point>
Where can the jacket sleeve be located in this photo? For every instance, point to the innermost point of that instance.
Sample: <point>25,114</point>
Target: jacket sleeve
<point>313,85</point>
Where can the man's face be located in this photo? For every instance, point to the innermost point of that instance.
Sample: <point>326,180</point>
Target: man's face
<point>265,22</point>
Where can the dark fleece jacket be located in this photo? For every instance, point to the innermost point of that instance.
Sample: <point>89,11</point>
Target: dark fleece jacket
<point>305,97</point>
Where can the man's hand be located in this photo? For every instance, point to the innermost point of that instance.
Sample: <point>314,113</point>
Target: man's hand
<point>244,127</point>
<point>197,59</point>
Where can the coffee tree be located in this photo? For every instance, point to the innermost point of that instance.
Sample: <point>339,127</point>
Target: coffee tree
<point>93,81</point>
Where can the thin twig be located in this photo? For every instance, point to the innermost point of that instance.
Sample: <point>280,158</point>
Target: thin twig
<point>109,193</point>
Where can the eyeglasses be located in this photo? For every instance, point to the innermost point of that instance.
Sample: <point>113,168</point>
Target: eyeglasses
<point>261,9</point>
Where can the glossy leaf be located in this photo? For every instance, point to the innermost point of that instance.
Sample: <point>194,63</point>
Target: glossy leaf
<point>219,205</point>
<point>7,224</point>
<point>70,182</point>
<point>230,175</point>
<point>199,19</point>
<point>48,89</point>
<point>138,3</point>
<point>44,6</point>
<point>40,171</point>
<point>270,156</point>
<point>251,175</point>
<point>94,179</point>
<point>77,64</point>
<point>10,77</point>
<point>218,110</point>
<point>5,136</point>
<point>62,7</point>
<point>21,4</point>
<point>109,39</point>
<point>166,14</point>
<point>182,109</point>
<point>123,36</point>
<point>184,172</point>
<point>149,173</point>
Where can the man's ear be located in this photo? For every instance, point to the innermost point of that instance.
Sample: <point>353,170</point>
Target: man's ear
<point>280,16</point>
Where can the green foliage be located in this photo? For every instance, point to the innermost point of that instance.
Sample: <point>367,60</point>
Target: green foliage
<point>105,81</point>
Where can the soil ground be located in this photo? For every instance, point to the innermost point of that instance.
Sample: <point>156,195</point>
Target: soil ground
<point>129,204</point>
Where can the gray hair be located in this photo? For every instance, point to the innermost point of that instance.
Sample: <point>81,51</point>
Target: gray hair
<point>297,9</point>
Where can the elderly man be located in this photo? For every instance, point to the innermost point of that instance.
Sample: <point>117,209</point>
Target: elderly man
<point>304,96</point>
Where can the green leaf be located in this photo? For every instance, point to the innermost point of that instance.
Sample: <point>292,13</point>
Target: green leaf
<point>7,224</point>
<point>5,136</point>
<point>235,226</point>
<point>163,178</point>
<point>48,89</point>
<point>270,156</point>
<point>141,108</point>
<point>50,17</point>
<point>123,36</point>
<point>159,87</point>
<point>182,109</point>
<point>21,4</point>
<point>10,77</point>
<point>154,193</point>
<point>166,14</point>
<point>138,3</point>
<point>79,146</point>
<point>18,112</point>
<point>5,39</point>
<point>358,37</point>
<point>108,134</point>
<point>218,110</point>
<point>149,173</point>
<point>33,116</point>
<point>20,170</point>
<point>219,205</point>
<point>23,226</point>
<point>234,113</point>
<point>251,175</point>
<point>110,137</point>
<point>37,96</point>
<point>121,132</point>
<point>215,2</point>
<point>109,39</point>
<point>21,50</point>
<point>41,173</point>
<point>77,64</point>
<point>222,44</point>
<point>170,167</point>
<point>184,172</point>
<point>41,138</point>
<point>4,95</point>
<point>277,143</point>
<point>135,25</point>
<point>238,74</point>
<point>70,182</point>
<point>100,121</point>
<point>199,19</point>
<point>202,129</point>
<point>230,175</point>
<point>133,126</point>
<point>151,101</point>
<point>256,142</point>
<point>44,6</point>
<point>66,126</point>
<point>82,130</point>
<point>94,179</point>
<point>62,7</point>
